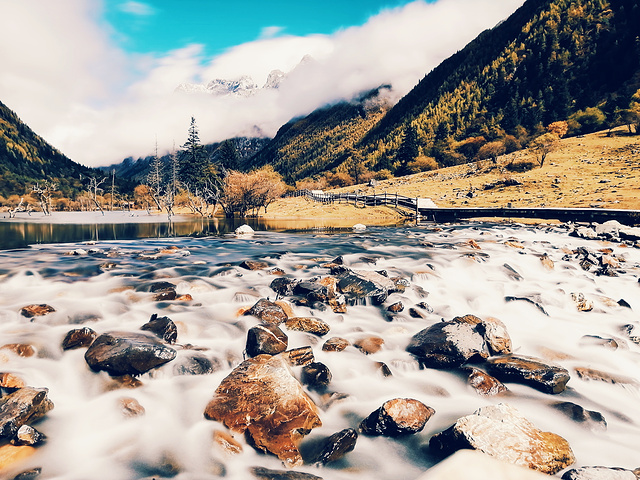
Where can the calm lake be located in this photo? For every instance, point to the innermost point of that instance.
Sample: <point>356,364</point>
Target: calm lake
<point>68,227</point>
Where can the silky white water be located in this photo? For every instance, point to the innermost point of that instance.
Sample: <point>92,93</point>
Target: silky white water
<point>88,437</point>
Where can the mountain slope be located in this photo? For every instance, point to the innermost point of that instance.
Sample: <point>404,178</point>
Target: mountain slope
<point>322,140</point>
<point>548,60</point>
<point>26,159</point>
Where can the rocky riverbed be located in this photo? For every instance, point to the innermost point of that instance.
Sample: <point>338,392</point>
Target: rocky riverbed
<point>367,355</point>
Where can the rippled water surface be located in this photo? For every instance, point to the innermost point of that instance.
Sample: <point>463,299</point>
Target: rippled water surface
<point>103,285</point>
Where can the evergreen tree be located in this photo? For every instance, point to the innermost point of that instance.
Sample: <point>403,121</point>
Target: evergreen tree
<point>408,151</point>
<point>228,156</point>
<point>194,160</point>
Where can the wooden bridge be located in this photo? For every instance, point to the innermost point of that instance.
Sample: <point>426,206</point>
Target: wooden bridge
<point>425,209</point>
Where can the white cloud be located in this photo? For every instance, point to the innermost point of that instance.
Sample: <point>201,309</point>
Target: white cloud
<point>137,8</point>
<point>270,32</point>
<point>99,106</point>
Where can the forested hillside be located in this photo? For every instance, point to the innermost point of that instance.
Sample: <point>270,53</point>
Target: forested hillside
<point>26,159</point>
<point>576,60</point>
<point>552,60</point>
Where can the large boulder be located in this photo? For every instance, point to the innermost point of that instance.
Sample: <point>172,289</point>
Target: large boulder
<point>529,371</point>
<point>262,398</point>
<point>450,344</point>
<point>127,353</point>
<point>23,406</point>
<point>400,416</point>
<point>501,432</point>
<point>267,339</point>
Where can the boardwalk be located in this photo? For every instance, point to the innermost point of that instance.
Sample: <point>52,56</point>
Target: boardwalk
<point>424,209</point>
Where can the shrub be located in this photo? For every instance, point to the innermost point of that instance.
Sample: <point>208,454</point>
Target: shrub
<point>520,166</point>
<point>422,164</point>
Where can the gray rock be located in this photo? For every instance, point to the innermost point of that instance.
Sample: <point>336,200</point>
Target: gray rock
<point>331,448</point>
<point>501,432</point>
<point>450,344</point>
<point>262,473</point>
<point>578,414</point>
<point>364,286</point>
<point>78,338</point>
<point>127,353</point>
<point>529,371</point>
<point>163,327</point>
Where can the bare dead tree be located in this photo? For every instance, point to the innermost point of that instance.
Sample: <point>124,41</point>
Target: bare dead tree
<point>44,195</point>
<point>94,187</point>
<point>19,208</point>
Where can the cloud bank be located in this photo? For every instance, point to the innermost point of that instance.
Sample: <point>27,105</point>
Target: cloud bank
<point>66,78</point>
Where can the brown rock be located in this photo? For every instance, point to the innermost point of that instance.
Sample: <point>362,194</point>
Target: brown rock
<point>547,262</point>
<point>286,306</point>
<point>266,339</point>
<point>582,304</point>
<point>299,357</point>
<point>529,371</point>
<point>226,442</point>
<point>276,271</point>
<point>30,474</point>
<point>598,375</point>
<point>27,435</point>
<point>369,345</point>
<point>21,407</point>
<point>496,336</point>
<point>10,380</point>
<point>501,432</point>
<point>11,455</point>
<point>130,407</point>
<point>268,312</point>
<point>123,381</point>
<point>589,418</point>
<point>383,368</point>
<point>316,376</point>
<point>485,384</point>
<point>400,416</point>
<point>20,349</point>
<point>31,311</point>
<point>335,344</point>
<point>80,337</point>
<point>253,265</point>
<point>594,340</point>
<point>308,324</point>
<point>473,244</point>
<point>396,307</point>
<point>263,398</point>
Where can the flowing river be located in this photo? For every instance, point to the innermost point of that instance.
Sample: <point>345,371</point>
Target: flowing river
<point>472,268</point>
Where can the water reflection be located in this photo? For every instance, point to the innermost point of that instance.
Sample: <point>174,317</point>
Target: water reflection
<point>21,234</point>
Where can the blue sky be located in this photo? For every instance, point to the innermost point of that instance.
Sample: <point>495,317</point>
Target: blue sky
<point>98,78</point>
<point>156,26</point>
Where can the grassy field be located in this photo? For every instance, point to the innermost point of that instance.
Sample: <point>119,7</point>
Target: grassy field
<point>593,170</point>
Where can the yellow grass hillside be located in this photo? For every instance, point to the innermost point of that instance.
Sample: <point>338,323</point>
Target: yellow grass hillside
<point>594,170</point>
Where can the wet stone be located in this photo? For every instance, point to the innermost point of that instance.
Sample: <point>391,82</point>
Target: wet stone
<point>594,340</point>
<point>262,398</point>
<point>582,304</point>
<point>78,338</point>
<point>335,344</point>
<point>312,291</point>
<point>501,432</point>
<point>31,311</point>
<point>11,381</point>
<point>485,384</point>
<point>589,418</point>
<point>283,286</point>
<point>162,327</point>
<point>268,312</point>
<point>585,373</point>
<point>262,473</point>
<point>331,448</point>
<point>316,376</point>
<point>383,368</point>
<point>299,357</point>
<point>226,442</point>
<point>365,286</point>
<point>127,353</point>
<point>22,407</point>
<point>396,307</point>
<point>130,407</point>
<point>27,435</point>
<point>400,416</point>
<point>254,265</point>
<point>20,349</point>
<point>194,364</point>
<point>529,371</point>
<point>308,324</point>
<point>496,336</point>
<point>599,473</point>
<point>369,345</point>
<point>450,344</point>
<point>266,339</point>
<point>31,474</point>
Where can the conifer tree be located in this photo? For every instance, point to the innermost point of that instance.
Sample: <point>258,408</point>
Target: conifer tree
<point>194,161</point>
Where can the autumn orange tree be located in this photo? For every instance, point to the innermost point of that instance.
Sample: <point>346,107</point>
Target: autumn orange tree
<point>245,192</point>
